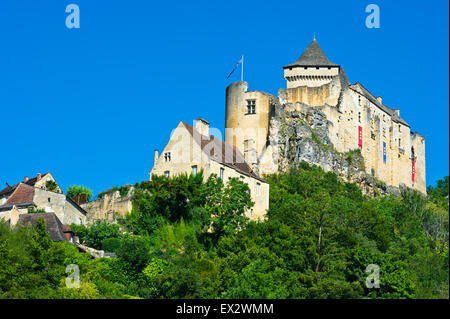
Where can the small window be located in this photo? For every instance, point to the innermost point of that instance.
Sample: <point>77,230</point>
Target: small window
<point>399,128</point>
<point>194,170</point>
<point>167,173</point>
<point>258,186</point>
<point>306,68</point>
<point>167,156</point>
<point>221,173</point>
<point>317,67</point>
<point>399,142</point>
<point>251,106</point>
<point>241,178</point>
<point>359,117</point>
<point>49,199</point>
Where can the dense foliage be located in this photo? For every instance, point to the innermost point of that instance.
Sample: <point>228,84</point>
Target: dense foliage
<point>75,190</point>
<point>186,238</point>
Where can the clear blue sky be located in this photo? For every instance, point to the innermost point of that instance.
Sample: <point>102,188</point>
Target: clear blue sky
<point>90,105</point>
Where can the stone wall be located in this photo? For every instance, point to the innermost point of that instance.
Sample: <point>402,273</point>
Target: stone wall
<point>110,207</point>
<point>388,145</point>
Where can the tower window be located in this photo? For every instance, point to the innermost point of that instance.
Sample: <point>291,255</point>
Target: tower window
<point>221,173</point>
<point>194,170</point>
<point>399,142</point>
<point>167,156</point>
<point>251,106</point>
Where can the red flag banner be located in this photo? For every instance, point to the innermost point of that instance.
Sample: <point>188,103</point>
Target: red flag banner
<point>413,171</point>
<point>359,136</point>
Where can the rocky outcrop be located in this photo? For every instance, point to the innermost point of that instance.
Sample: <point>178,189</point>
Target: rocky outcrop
<point>110,206</point>
<point>298,132</point>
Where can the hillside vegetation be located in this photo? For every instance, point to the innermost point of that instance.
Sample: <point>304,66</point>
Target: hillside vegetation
<point>190,239</point>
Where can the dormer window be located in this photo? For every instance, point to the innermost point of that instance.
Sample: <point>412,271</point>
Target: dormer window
<point>251,106</point>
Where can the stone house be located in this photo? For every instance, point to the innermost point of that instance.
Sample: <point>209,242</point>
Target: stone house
<point>191,149</point>
<point>32,194</point>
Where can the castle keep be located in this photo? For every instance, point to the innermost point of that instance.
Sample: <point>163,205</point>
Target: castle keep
<point>319,104</point>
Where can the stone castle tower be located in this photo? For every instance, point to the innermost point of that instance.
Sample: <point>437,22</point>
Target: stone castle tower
<point>321,118</point>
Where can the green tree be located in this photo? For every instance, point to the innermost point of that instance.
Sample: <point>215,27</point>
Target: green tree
<point>75,190</point>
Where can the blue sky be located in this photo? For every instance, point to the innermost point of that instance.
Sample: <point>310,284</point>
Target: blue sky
<point>90,105</point>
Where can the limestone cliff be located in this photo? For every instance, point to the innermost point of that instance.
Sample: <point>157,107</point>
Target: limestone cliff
<point>298,132</point>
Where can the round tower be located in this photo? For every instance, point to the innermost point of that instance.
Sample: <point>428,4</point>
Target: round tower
<point>246,119</point>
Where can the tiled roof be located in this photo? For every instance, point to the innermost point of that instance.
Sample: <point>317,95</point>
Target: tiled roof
<point>9,189</point>
<point>221,151</point>
<point>22,194</point>
<point>67,229</point>
<point>54,226</point>
<point>312,56</point>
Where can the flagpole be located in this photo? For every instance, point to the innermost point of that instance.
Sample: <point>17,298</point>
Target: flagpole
<point>242,70</point>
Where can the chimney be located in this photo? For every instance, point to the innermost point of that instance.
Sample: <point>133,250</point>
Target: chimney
<point>38,177</point>
<point>156,158</point>
<point>25,179</point>
<point>379,99</point>
<point>202,126</point>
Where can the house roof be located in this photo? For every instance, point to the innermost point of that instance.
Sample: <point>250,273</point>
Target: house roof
<point>312,56</point>
<point>67,229</point>
<point>9,189</point>
<point>54,226</point>
<point>374,100</point>
<point>221,151</point>
<point>23,193</point>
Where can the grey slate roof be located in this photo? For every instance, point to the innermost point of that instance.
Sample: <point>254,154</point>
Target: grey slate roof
<point>222,152</point>
<point>312,56</point>
<point>54,226</point>
<point>374,100</point>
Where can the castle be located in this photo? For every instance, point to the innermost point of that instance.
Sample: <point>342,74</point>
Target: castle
<point>320,104</point>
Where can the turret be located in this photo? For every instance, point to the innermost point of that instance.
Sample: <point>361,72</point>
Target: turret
<point>311,69</point>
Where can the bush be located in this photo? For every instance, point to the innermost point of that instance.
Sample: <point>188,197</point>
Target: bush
<point>111,245</point>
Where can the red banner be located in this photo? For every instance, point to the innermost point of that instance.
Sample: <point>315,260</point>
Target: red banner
<point>413,171</point>
<point>360,136</point>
